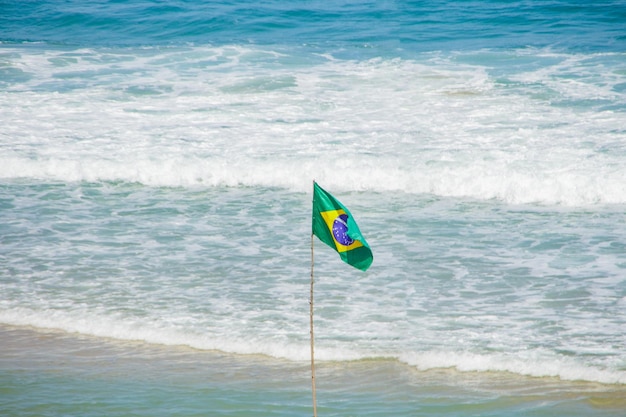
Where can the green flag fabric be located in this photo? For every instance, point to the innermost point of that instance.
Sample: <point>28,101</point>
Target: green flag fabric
<point>334,225</point>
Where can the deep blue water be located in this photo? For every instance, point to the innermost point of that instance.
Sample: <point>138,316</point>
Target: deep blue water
<point>394,27</point>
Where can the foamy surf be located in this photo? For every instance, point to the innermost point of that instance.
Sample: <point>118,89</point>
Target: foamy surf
<point>229,116</point>
<point>510,183</point>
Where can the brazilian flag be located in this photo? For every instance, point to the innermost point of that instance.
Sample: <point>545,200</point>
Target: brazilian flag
<point>334,225</point>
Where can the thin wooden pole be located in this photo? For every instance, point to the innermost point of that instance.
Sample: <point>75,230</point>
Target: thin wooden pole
<point>312,335</point>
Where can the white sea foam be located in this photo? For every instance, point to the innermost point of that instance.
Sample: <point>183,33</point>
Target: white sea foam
<point>244,116</point>
<point>160,333</point>
<point>534,364</point>
<point>481,180</point>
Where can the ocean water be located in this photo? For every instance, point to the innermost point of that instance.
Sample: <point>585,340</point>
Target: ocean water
<point>156,167</point>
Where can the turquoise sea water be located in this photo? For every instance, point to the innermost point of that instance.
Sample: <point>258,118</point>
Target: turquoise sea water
<point>156,161</point>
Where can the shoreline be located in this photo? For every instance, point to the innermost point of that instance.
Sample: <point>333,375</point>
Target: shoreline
<point>34,363</point>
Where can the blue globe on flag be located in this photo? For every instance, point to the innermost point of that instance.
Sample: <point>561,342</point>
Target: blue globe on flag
<point>340,230</point>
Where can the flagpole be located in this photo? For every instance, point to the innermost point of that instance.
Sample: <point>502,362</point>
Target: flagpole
<point>312,335</point>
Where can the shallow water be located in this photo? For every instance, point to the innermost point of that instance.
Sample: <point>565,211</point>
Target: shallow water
<point>54,373</point>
